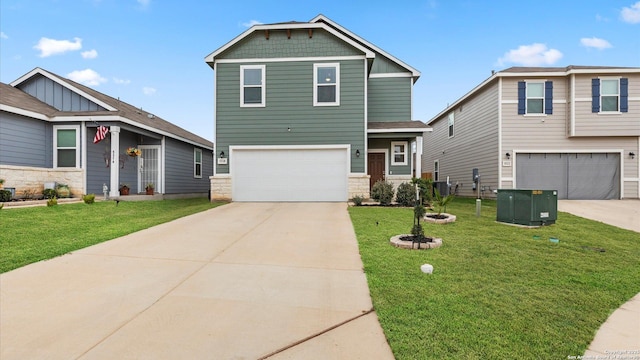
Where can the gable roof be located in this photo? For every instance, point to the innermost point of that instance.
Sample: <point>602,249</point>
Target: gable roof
<point>319,22</point>
<point>519,71</point>
<point>117,109</point>
<point>17,101</point>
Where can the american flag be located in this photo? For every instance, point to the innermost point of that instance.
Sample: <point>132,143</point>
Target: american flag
<point>101,132</point>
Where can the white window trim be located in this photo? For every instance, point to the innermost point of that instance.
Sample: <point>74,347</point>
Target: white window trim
<point>195,162</point>
<point>526,97</point>
<point>436,170</point>
<point>451,123</point>
<point>263,86</point>
<point>315,84</point>
<point>55,143</point>
<point>393,153</point>
<point>617,111</point>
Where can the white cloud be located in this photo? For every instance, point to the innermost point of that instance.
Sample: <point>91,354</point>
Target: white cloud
<point>595,42</point>
<point>121,81</point>
<point>144,3</point>
<point>87,77</point>
<point>90,54</point>
<point>631,14</point>
<point>3,35</point>
<point>50,47</point>
<point>148,90</point>
<point>531,55</point>
<point>251,23</point>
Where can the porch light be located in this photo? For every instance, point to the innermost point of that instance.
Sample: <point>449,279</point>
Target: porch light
<point>221,154</point>
<point>358,153</point>
<point>632,154</point>
<point>508,156</point>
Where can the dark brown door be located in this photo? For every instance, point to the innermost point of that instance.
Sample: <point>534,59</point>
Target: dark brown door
<point>376,167</point>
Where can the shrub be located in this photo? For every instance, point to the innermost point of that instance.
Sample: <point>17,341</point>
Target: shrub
<point>52,202</point>
<point>406,195</point>
<point>442,202</point>
<point>357,200</point>
<point>5,195</point>
<point>382,191</point>
<point>89,198</point>
<point>49,193</point>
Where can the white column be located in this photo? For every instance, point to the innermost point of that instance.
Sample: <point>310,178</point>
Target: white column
<point>418,156</point>
<point>114,166</point>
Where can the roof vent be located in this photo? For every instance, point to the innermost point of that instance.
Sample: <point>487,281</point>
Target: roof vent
<point>150,116</point>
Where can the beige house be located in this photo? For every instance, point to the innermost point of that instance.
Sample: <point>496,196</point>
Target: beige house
<point>573,129</point>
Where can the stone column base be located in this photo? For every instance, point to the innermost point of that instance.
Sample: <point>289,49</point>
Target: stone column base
<point>220,187</point>
<point>359,185</point>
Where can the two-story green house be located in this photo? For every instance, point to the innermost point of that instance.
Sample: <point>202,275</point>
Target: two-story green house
<point>309,111</point>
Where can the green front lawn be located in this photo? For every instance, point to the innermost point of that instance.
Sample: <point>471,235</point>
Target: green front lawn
<point>28,235</point>
<point>496,292</point>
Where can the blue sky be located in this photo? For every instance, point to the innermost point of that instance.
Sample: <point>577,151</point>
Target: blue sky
<point>150,53</point>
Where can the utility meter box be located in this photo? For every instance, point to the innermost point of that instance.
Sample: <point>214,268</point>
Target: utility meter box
<point>527,207</point>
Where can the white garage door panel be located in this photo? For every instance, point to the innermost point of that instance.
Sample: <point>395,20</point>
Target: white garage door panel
<point>289,175</point>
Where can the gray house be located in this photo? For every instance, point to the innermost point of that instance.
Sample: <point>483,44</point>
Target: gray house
<point>309,111</point>
<point>573,129</point>
<point>47,129</point>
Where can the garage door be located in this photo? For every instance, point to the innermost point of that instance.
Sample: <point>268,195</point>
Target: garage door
<point>289,174</point>
<point>583,176</point>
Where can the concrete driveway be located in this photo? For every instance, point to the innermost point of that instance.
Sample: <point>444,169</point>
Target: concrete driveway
<point>241,281</point>
<point>621,213</point>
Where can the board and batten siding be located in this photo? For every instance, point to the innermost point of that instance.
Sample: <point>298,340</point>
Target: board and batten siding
<point>58,96</point>
<point>179,168</point>
<point>389,99</point>
<point>25,141</point>
<point>588,123</point>
<point>289,117</point>
<point>321,44</point>
<point>474,144</point>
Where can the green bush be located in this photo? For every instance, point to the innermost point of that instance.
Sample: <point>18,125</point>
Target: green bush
<point>52,202</point>
<point>406,195</point>
<point>5,195</point>
<point>89,198</point>
<point>49,193</point>
<point>382,191</point>
<point>357,200</point>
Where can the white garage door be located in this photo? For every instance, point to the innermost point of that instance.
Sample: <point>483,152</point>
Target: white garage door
<point>289,174</point>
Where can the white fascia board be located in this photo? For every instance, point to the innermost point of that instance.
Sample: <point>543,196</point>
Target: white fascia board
<point>390,75</point>
<point>402,130</point>
<point>125,120</point>
<point>211,58</point>
<point>415,73</point>
<point>62,82</point>
<point>464,97</point>
<point>23,112</point>
<point>287,59</point>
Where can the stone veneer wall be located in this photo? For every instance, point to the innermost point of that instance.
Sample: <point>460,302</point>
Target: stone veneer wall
<point>396,180</point>
<point>220,187</point>
<point>33,178</point>
<point>359,185</point>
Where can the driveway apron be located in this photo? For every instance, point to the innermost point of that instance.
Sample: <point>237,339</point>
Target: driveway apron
<point>241,281</point>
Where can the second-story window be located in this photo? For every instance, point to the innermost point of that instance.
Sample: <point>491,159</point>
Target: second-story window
<point>326,84</point>
<point>451,123</point>
<point>535,97</point>
<point>252,86</point>
<point>609,95</point>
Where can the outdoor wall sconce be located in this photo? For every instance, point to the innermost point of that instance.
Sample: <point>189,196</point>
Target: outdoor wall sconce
<point>358,153</point>
<point>221,154</point>
<point>508,156</point>
<point>632,154</point>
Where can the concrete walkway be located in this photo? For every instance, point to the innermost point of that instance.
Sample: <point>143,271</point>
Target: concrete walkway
<point>619,336</point>
<point>241,281</point>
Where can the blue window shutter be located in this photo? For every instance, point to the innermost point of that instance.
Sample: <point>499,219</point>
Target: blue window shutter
<point>595,95</point>
<point>522,97</point>
<point>624,95</point>
<point>548,97</point>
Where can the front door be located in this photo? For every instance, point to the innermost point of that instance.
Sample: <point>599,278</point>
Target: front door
<point>149,167</point>
<point>376,167</point>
